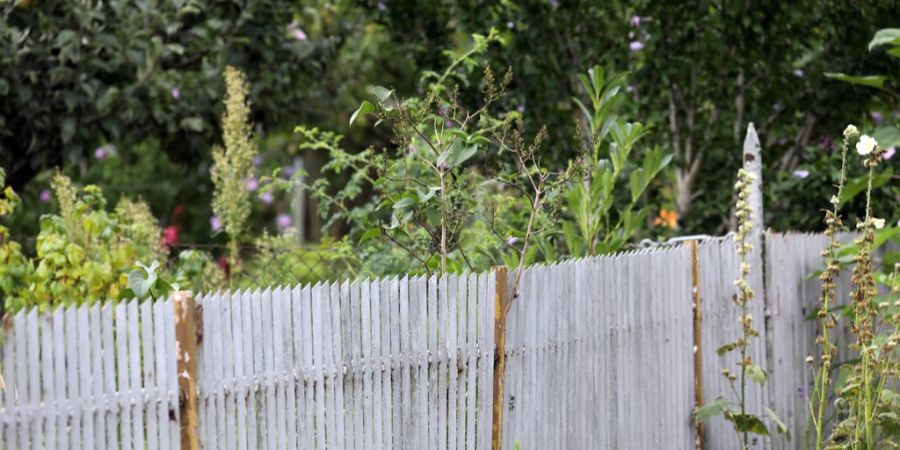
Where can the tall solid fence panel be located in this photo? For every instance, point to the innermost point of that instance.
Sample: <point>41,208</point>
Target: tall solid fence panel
<point>793,296</point>
<point>599,360</point>
<point>719,268</point>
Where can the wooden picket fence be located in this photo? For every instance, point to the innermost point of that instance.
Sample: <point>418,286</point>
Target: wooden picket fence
<point>598,353</point>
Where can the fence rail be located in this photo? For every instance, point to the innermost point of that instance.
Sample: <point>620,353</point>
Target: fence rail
<point>599,354</point>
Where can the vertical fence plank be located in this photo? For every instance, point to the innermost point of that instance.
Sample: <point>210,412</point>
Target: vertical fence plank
<point>97,394</point>
<point>385,303</point>
<point>450,323</point>
<point>226,303</point>
<point>365,366</point>
<point>500,302</point>
<point>288,373</point>
<point>328,363</point>
<point>277,377</point>
<point>337,303</point>
<point>309,430</point>
<point>441,355</point>
<point>148,366</point>
<point>48,377</point>
<point>250,331</point>
<point>431,361</point>
<point>376,363</point>
<point>459,302</point>
<point>396,365</point>
<point>318,362</point>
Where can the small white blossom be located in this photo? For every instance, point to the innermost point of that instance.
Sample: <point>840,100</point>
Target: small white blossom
<point>866,144</point>
<point>834,200</point>
<point>879,223</point>
<point>850,131</point>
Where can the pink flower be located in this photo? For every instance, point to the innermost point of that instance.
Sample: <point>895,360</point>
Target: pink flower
<point>296,32</point>
<point>635,21</point>
<point>801,174</point>
<point>283,222</point>
<point>889,153</point>
<point>170,236</point>
<point>176,93</point>
<point>251,184</point>
<point>266,198</point>
<point>636,46</point>
<point>100,153</point>
<point>215,223</point>
<point>45,196</point>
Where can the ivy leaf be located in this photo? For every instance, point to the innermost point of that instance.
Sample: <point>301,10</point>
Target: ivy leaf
<point>709,410</point>
<point>365,108</point>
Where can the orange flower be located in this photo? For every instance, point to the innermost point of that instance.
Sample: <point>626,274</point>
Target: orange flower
<point>667,218</point>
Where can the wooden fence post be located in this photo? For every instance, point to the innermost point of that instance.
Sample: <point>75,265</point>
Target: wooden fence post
<point>187,324</point>
<point>698,340</point>
<point>501,302</point>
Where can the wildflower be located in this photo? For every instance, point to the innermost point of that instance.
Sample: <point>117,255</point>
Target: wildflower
<point>521,109</point>
<point>251,184</point>
<point>878,223</point>
<point>257,160</point>
<point>512,240</point>
<point>798,73</point>
<point>866,144</point>
<point>851,132</point>
<point>635,21</point>
<point>283,222</point>
<point>889,153</point>
<point>46,196</point>
<point>382,6</point>
<point>801,174</point>
<point>296,32</point>
<point>176,93</point>
<point>170,236</point>
<point>636,46</point>
<point>510,24</point>
<point>100,153</point>
<point>266,198</point>
<point>876,117</point>
<point>667,218</point>
<point>215,223</point>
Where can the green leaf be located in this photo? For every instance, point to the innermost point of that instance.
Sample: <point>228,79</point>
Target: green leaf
<point>876,81</point>
<point>369,234</point>
<point>887,136</point>
<point>721,351</point>
<point>756,373</point>
<point>460,154</point>
<point>780,427</point>
<point>709,410</point>
<point>885,36</point>
<point>748,423</point>
<point>380,93</point>
<point>192,124</point>
<point>365,108</point>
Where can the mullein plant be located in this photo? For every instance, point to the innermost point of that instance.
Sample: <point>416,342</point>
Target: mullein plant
<point>233,164</point>
<point>744,422</point>
<point>827,318</point>
<point>866,399</point>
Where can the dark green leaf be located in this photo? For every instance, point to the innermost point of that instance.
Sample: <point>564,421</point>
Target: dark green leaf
<point>709,410</point>
<point>748,423</point>
<point>876,81</point>
<point>365,108</point>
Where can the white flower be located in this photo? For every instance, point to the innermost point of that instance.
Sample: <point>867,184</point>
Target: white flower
<point>834,200</point>
<point>866,144</point>
<point>850,131</point>
<point>879,223</point>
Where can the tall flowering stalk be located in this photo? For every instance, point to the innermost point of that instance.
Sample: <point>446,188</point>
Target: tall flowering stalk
<point>233,164</point>
<point>862,396</point>
<point>827,319</point>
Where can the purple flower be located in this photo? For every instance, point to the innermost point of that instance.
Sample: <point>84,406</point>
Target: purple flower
<point>635,21</point>
<point>381,6</point>
<point>215,223</point>
<point>251,184</point>
<point>801,174</point>
<point>283,222</point>
<point>100,153</point>
<point>636,46</point>
<point>176,93</point>
<point>266,198</point>
<point>257,160</point>
<point>827,143</point>
<point>289,171</point>
<point>45,196</point>
<point>889,153</point>
<point>798,73</point>
<point>512,240</point>
<point>876,117</point>
<point>296,32</point>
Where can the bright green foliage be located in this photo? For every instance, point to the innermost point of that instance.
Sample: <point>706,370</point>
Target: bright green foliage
<point>83,254</point>
<point>233,164</point>
<point>14,266</point>
<point>598,220</point>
